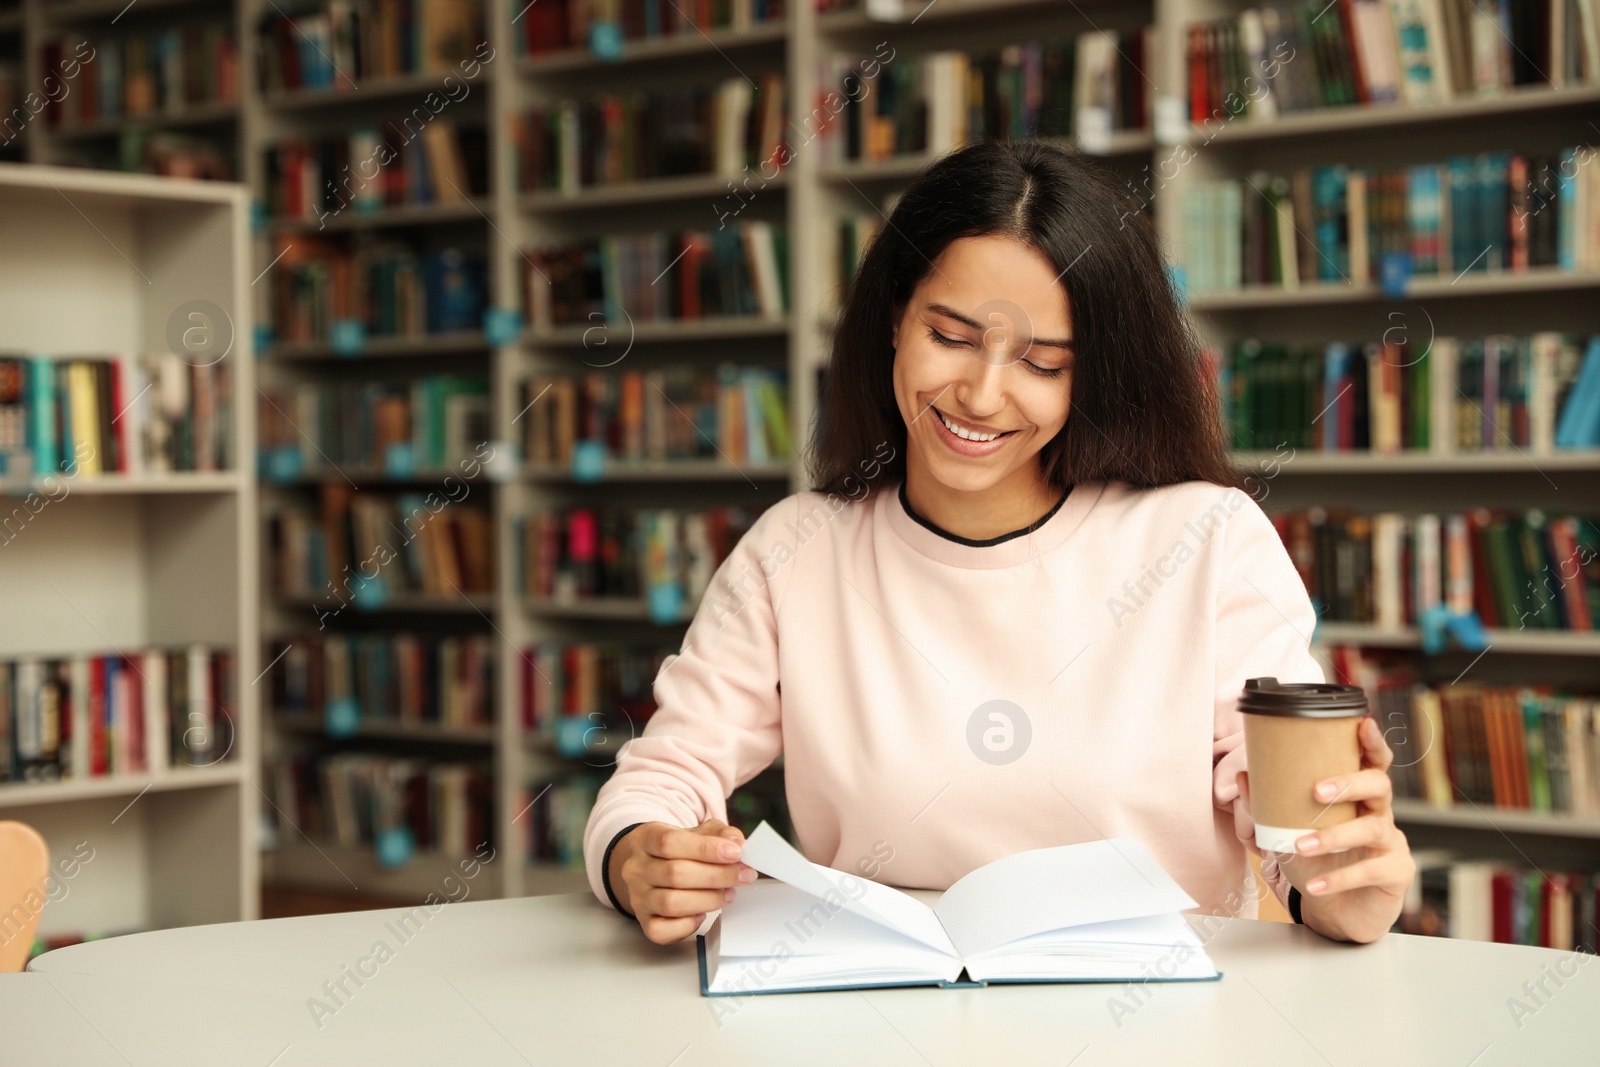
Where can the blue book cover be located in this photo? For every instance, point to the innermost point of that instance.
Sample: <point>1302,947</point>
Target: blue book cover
<point>42,401</point>
<point>113,741</point>
<point>454,284</point>
<point>1494,212</point>
<point>755,425</point>
<point>1578,425</point>
<point>1329,222</point>
<point>1567,209</point>
<point>1335,361</point>
<point>1463,220</point>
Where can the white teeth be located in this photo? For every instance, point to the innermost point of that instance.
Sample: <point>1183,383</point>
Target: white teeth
<point>967,435</point>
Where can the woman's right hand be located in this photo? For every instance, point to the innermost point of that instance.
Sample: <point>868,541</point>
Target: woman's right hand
<point>669,877</point>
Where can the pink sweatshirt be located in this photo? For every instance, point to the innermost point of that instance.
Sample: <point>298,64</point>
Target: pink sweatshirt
<point>867,649</point>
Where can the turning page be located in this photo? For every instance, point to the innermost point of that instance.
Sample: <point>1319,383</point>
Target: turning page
<point>769,853</point>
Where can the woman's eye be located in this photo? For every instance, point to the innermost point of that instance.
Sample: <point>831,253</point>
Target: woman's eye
<point>953,342</point>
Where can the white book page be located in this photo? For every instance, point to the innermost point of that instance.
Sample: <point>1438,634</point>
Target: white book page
<point>774,936</point>
<point>772,918</point>
<point>1166,930</point>
<point>769,853</point>
<point>1051,888</point>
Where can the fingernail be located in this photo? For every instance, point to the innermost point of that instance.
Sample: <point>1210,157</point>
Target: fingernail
<point>1326,790</point>
<point>1309,843</point>
<point>1316,885</point>
<point>727,896</point>
<point>747,875</point>
<point>729,850</point>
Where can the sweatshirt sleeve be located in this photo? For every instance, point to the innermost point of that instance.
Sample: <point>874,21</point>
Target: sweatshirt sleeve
<point>1264,625</point>
<point>716,723</point>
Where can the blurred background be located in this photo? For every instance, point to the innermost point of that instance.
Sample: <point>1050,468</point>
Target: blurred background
<point>350,517</point>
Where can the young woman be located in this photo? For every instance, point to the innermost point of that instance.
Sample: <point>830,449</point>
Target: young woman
<point>1021,604</point>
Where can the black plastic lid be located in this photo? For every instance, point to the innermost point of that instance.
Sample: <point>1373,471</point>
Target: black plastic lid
<point>1302,700</point>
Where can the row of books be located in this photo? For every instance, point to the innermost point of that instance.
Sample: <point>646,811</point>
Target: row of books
<point>397,806</point>
<point>91,716</point>
<point>560,25</point>
<point>1477,900</point>
<point>613,281</point>
<point>440,162</point>
<point>140,150</point>
<point>341,44</point>
<point>367,547</point>
<point>1496,211</point>
<point>560,812</point>
<point>431,423</point>
<point>1518,571</point>
<point>1302,55</point>
<point>349,680</point>
<point>572,144</point>
<point>1532,394</point>
<point>122,415</point>
<point>736,414</point>
<point>323,292</point>
<point>139,74</point>
<point>931,103</point>
<point>665,556</point>
<point>589,683</point>
<point>1521,748</point>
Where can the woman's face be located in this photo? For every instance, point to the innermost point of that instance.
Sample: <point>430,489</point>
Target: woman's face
<point>983,346</point>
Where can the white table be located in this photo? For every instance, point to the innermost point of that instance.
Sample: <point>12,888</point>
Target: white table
<point>561,980</point>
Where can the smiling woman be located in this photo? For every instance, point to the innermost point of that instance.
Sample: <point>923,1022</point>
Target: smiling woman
<point>993,649</point>
<point>1013,282</point>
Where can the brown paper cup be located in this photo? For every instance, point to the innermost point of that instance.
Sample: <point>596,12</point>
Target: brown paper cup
<point>1297,734</point>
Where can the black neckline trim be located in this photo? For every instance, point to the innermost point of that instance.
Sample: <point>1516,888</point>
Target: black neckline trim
<point>986,542</point>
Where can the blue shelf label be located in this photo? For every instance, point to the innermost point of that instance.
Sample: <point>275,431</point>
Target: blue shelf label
<point>605,39</point>
<point>369,594</point>
<point>282,464</point>
<point>394,846</point>
<point>1469,632</point>
<point>368,206</point>
<point>342,717</point>
<point>258,216</point>
<point>263,338</point>
<point>571,734</point>
<point>1180,283</point>
<point>1394,274</point>
<point>588,461</point>
<point>502,326</point>
<point>400,460</point>
<point>666,602</point>
<point>1433,623</point>
<point>348,337</point>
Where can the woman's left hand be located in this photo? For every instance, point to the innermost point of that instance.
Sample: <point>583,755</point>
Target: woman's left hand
<point>1354,895</point>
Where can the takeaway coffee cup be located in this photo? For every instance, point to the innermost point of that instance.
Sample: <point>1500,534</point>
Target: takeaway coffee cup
<point>1297,734</point>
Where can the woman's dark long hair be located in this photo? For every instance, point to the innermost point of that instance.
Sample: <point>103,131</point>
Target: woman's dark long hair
<point>1144,411</point>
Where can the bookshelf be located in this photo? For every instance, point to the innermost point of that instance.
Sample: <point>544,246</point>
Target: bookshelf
<point>115,568</point>
<point>1458,301</point>
<point>1163,160</point>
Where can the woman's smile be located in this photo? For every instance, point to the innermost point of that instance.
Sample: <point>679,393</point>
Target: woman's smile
<point>970,439</point>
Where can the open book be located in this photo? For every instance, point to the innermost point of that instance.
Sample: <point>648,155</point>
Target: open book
<point>1103,911</point>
